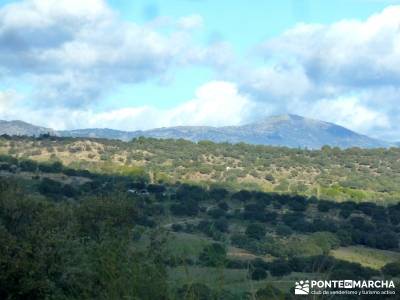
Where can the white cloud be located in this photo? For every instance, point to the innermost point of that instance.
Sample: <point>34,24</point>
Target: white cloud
<point>349,53</point>
<point>191,22</point>
<point>8,99</point>
<point>75,51</point>
<point>346,72</point>
<point>216,103</point>
<point>348,112</point>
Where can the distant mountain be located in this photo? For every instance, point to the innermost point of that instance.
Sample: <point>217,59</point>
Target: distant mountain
<point>101,133</point>
<point>23,128</point>
<point>286,130</point>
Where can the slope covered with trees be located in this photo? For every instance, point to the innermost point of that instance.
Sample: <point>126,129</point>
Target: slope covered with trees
<point>331,173</point>
<point>74,234</point>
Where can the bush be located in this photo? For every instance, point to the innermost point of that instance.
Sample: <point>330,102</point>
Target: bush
<point>279,268</point>
<point>236,264</point>
<point>49,187</point>
<point>243,196</point>
<point>283,230</point>
<point>391,269</point>
<point>258,274</point>
<point>324,206</point>
<point>187,208</point>
<point>325,240</point>
<point>258,263</point>
<point>177,227</point>
<point>198,291</point>
<point>28,166</point>
<point>223,205</point>
<point>255,231</point>
<point>270,292</point>
<point>213,255</point>
<point>216,213</point>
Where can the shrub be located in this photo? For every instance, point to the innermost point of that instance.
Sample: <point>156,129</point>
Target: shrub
<point>283,230</point>
<point>213,255</point>
<point>49,187</point>
<point>270,292</point>
<point>255,231</point>
<point>216,213</point>
<point>258,274</point>
<point>198,291</point>
<point>279,268</point>
<point>391,269</point>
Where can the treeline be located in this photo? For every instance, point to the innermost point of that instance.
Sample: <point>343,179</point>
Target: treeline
<point>332,173</point>
<point>84,235</point>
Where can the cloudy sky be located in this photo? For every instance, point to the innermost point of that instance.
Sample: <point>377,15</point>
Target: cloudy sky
<point>150,63</point>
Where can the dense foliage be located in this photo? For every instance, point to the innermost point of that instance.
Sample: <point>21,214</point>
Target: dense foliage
<point>69,233</point>
<point>331,173</point>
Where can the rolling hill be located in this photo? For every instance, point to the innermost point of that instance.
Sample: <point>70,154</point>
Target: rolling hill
<point>284,130</point>
<point>23,128</point>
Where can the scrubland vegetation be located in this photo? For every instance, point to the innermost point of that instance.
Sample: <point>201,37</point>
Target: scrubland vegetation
<point>371,175</point>
<point>151,219</point>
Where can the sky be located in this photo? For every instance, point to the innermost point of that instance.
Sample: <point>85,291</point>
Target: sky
<point>144,64</point>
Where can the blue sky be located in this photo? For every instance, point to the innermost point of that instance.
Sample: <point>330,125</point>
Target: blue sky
<point>237,22</point>
<point>143,64</point>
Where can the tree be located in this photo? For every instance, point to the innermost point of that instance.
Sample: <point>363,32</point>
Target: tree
<point>198,291</point>
<point>258,274</point>
<point>213,255</point>
<point>280,268</point>
<point>392,269</point>
<point>283,230</point>
<point>255,231</point>
<point>223,205</point>
<point>242,195</point>
<point>49,187</point>
<point>270,292</point>
<point>218,194</point>
<point>216,213</point>
<point>28,165</point>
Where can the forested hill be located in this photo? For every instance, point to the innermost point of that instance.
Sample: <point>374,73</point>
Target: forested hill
<point>331,173</point>
<point>72,234</point>
<point>285,130</point>
<point>19,128</point>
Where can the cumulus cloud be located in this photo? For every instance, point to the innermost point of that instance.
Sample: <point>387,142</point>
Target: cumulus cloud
<point>350,53</point>
<point>216,103</point>
<point>190,22</point>
<point>348,112</point>
<point>74,51</point>
<point>347,72</point>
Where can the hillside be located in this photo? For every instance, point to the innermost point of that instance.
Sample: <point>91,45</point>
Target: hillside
<point>286,130</point>
<point>330,173</point>
<point>22,128</point>
<point>114,237</point>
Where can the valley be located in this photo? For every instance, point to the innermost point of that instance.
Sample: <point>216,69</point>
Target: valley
<point>155,208</point>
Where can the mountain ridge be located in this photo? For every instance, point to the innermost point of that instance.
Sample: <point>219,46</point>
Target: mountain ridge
<point>17,127</point>
<point>282,130</point>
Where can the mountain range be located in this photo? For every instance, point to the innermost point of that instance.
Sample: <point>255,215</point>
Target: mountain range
<point>284,130</point>
<point>23,128</point>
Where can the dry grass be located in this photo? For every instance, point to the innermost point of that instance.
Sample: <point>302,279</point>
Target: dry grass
<point>367,257</point>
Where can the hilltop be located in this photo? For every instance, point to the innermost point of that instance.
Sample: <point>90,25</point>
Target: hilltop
<point>285,130</point>
<point>20,128</point>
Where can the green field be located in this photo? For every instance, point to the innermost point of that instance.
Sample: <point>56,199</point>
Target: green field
<point>369,257</point>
